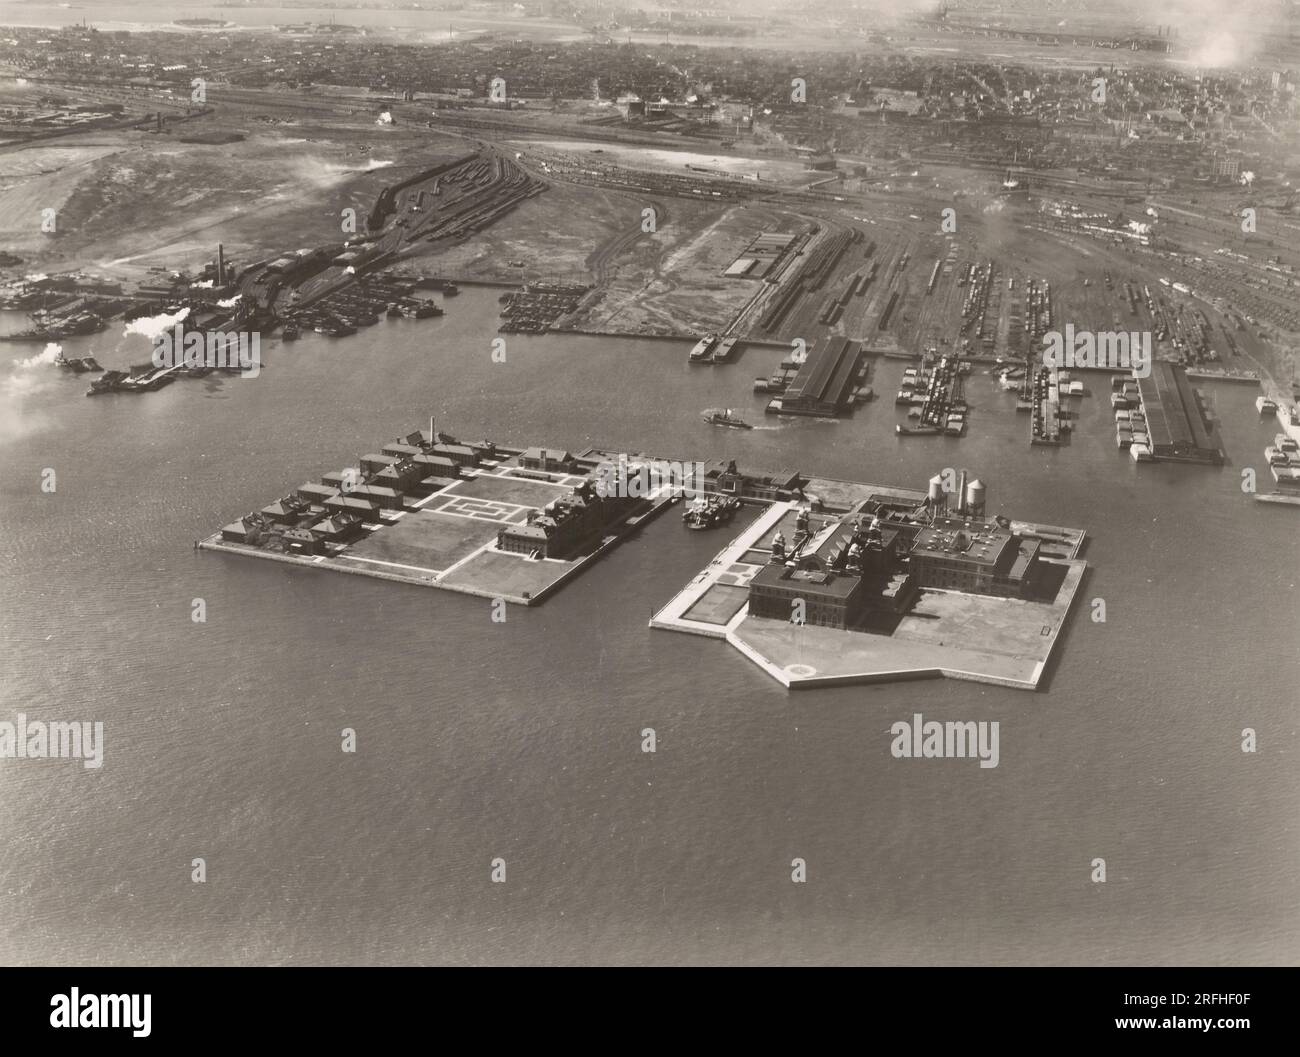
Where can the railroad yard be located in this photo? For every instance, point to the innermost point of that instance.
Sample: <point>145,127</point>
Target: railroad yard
<point>933,249</point>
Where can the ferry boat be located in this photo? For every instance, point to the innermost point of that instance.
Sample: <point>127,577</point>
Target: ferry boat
<point>725,348</point>
<point>1265,406</point>
<point>700,353</point>
<point>709,512</point>
<point>717,416</point>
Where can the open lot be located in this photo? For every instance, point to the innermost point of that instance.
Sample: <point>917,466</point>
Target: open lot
<point>959,636</point>
<point>426,540</point>
<point>506,490</point>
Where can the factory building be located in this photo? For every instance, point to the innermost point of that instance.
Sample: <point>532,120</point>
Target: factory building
<point>959,549</point>
<point>973,555</point>
<point>870,564</point>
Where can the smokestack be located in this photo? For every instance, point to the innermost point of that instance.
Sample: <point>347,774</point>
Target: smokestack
<point>221,265</point>
<point>961,494</point>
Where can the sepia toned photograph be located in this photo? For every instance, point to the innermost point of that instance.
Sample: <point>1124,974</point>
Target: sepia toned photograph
<point>592,483</point>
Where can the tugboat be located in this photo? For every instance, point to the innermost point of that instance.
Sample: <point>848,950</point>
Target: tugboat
<point>291,332</point>
<point>77,366</point>
<point>710,512</point>
<point>723,417</point>
<point>111,382</point>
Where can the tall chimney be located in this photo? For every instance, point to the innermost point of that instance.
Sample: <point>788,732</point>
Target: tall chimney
<point>221,265</point>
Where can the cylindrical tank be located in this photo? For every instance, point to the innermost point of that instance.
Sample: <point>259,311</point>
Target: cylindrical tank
<point>936,489</point>
<point>975,497</point>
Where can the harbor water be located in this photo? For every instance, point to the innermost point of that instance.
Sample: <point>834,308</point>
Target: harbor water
<point>522,741</point>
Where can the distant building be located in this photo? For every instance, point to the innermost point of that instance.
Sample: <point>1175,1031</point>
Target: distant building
<point>836,577</point>
<point>974,555</point>
<point>561,529</point>
<point>830,598</point>
<point>302,541</point>
<point>241,531</point>
<point>436,466</point>
<point>285,511</point>
<point>374,463</point>
<point>341,528</point>
<point>549,460</point>
<point>348,504</point>
<point>382,497</point>
<point>401,477</point>
<point>725,479</point>
<point>316,493</point>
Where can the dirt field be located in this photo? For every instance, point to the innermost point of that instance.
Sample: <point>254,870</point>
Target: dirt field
<point>128,201</point>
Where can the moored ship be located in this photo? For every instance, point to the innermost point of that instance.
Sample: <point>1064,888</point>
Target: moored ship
<point>710,512</point>
<point>725,348</point>
<point>700,353</point>
<point>48,328</point>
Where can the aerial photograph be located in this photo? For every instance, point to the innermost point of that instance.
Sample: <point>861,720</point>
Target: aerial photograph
<point>593,483</point>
